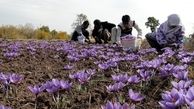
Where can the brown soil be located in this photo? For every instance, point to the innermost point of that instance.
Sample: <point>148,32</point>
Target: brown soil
<point>47,64</point>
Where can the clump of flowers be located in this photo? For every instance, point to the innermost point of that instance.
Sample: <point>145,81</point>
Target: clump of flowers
<point>117,105</point>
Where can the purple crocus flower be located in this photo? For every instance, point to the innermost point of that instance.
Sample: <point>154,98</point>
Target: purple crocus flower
<point>181,75</point>
<point>115,87</point>
<point>109,49</point>
<point>36,89</point>
<point>93,53</point>
<point>103,57</point>
<point>109,53</point>
<point>166,70</point>
<point>131,57</point>
<point>186,60</point>
<point>111,63</point>
<point>147,51</point>
<point>90,71</point>
<point>135,96</point>
<point>15,79</point>
<point>181,54</point>
<point>4,107</point>
<point>97,62</point>
<point>73,58</point>
<point>145,75</point>
<point>134,79</point>
<point>81,76</point>
<point>31,49</point>
<point>11,78</point>
<point>4,78</point>
<point>117,105</point>
<point>83,54</point>
<point>11,54</point>
<point>189,97</point>
<point>155,63</point>
<point>139,66</point>
<point>74,76</point>
<point>68,67</point>
<point>117,53</point>
<point>56,82</point>
<point>120,78</point>
<point>182,84</point>
<point>52,87</point>
<point>65,85</point>
<point>173,99</point>
<point>103,66</point>
<point>115,59</point>
<point>56,85</point>
<point>179,68</point>
<point>168,52</point>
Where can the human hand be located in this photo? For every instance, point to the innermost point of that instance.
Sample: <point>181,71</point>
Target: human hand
<point>139,37</point>
<point>174,44</point>
<point>118,42</point>
<point>180,46</point>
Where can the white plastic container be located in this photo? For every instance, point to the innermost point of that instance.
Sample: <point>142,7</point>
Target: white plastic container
<point>130,42</point>
<point>81,39</point>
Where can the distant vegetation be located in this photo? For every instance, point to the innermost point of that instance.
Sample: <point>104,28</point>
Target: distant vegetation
<point>44,33</point>
<point>152,23</point>
<point>29,32</point>
<point>189,43</point>
<point>80,18</point>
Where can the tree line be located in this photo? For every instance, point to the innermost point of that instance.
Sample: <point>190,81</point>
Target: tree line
<point>27,31</point>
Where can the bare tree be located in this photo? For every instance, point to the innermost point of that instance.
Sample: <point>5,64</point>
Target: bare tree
<point>80,19</point>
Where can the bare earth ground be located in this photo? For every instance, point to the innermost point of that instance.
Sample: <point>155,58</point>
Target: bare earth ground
<point>47,64</point>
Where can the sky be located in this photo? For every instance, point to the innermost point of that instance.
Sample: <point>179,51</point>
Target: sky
<point>60,14</point>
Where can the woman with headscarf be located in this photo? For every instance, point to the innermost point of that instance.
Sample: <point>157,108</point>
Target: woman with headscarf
<point>169,34</point>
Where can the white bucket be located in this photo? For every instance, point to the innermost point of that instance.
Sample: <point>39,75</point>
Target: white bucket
<point>81,39</point>
<point>130,42</point>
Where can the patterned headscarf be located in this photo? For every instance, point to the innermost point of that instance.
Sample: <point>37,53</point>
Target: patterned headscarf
<point>173,20</point>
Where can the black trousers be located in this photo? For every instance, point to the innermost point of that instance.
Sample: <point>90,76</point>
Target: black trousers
<point>75,35</point>
<point>153,43</point>
<point>103,35</point>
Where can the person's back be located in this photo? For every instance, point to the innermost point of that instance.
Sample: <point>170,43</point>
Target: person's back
<point>76,33</point>
<point>81,30</point>
<point>102,31</point>
<point>108,26</point>
<point>169,34</point>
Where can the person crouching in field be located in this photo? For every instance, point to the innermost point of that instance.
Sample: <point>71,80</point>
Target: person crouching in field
<point>169,34</point>
<point>81,30</point>
<point>102,31</point>
<point>122,35</point>
<point>124,28</point>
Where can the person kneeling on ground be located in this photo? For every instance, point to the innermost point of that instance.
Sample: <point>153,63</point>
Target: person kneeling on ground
<point>102,31</point>
<point>124,28</point>
<point>123,35</point>
<point>169,34</point>
<point>81,30</point>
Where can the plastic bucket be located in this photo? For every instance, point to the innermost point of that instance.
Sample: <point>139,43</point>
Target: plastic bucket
<point>81,39</point>
<point>130,42</point>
